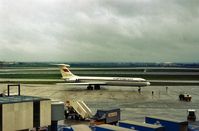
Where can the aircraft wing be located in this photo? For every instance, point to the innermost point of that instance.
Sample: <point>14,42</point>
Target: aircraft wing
<point>87,83</point>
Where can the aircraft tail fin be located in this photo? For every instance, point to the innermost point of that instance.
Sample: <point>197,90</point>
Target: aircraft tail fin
<point>65,72</point>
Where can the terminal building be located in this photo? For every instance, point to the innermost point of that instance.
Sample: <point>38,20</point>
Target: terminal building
<point>24,112</point>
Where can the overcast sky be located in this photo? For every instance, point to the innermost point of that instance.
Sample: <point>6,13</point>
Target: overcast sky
<point>99,30</point>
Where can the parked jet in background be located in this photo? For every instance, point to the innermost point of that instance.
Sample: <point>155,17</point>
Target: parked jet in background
<point>96,82</point>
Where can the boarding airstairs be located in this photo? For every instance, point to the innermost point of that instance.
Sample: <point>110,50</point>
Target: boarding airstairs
<point>77,109</point>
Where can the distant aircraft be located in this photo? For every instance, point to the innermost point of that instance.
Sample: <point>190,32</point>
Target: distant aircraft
<point>96,82</point>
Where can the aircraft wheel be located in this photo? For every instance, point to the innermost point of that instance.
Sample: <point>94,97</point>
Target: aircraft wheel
<point>97,87</point>
<point>89,87</point>
<point>76,117</point>
<point>66,114</point>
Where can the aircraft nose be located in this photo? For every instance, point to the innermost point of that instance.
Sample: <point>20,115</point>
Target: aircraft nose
<point>148,83</point>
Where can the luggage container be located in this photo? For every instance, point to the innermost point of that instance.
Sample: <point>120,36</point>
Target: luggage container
<point>68,129</point>
<point>193,126</point>
<point>57,113</point>
<point>140,126</point>
<point>107,127</point>
<point>169,124</point>
<point>79,127</point>
<point>57,110</point>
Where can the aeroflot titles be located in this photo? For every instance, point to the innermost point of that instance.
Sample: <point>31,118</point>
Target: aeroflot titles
<point>122,79</point>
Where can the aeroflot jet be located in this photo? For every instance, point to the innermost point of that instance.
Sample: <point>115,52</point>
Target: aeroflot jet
<point>96,82</point>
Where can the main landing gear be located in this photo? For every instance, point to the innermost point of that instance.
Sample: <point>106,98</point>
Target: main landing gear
<point>95,87</point>
<point>139,90</point>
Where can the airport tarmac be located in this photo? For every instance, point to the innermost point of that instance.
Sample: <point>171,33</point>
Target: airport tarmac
<point>133,105</point>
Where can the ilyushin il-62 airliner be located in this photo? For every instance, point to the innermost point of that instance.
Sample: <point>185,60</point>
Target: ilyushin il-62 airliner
<point>96,82</point>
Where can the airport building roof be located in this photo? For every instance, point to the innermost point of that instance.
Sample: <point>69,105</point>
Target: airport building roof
<point>18,99</point>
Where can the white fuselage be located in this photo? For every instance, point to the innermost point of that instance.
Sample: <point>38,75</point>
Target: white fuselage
<point>113,81</point>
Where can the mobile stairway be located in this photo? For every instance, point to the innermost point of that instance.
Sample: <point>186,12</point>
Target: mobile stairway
<point>77,109</point>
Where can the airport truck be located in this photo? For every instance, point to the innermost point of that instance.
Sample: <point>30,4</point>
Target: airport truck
<point>185,97</point>
<point>110,116</point>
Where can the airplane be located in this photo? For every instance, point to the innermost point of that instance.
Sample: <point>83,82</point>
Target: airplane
<point>95,82</point>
